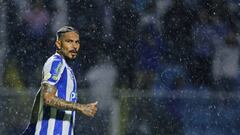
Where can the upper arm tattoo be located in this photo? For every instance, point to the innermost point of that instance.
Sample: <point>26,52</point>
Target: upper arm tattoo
<point>50,98</point>
<point>47,88</point>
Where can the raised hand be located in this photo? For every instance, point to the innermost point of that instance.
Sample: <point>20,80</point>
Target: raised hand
<point>88,109</point>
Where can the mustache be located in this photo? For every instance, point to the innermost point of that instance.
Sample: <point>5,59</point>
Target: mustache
<point>73,51</point>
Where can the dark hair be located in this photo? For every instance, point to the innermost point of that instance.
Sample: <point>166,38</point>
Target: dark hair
<point>63,30</point>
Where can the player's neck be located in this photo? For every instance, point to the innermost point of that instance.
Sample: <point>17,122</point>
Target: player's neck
<point>68,61</point>
<point>58,52</point>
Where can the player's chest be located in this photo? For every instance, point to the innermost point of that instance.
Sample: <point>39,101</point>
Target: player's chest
<point>70,74</point>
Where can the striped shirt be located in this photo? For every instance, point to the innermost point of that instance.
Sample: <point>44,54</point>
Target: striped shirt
<point>52,121</point>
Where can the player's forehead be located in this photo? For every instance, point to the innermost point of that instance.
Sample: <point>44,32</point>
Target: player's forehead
<point>70,35</point>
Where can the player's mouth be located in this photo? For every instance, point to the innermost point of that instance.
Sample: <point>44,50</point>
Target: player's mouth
<point>73,53</point>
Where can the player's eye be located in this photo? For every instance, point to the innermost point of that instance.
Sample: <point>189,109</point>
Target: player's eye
<point>78,42</point>
<point>69,41</point>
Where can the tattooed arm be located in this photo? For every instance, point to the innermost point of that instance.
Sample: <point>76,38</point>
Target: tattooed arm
<point>50,99</point>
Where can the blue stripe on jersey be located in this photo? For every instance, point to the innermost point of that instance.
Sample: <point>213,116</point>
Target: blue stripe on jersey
<point>57,56</point>
<point>46,116</point>
<point>74,91</point>
<point>61,87</point>
<point>55,70</point>
<point>59,122</point>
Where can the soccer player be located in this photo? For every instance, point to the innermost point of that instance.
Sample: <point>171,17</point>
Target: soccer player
<point>53,112</point>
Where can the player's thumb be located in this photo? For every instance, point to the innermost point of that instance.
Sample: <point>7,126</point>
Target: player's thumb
<point>95,103</point>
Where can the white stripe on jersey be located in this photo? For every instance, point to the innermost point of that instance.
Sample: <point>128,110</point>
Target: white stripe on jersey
<point>73,122</point>
<point>66,125</point>
<point>51,121</point>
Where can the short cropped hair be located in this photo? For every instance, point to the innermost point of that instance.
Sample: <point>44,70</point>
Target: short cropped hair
<point>65,29</point>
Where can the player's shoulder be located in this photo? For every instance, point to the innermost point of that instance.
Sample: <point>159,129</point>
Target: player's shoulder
<point>55,58</point>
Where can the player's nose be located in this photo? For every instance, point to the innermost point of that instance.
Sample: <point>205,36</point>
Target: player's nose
<point>75,45</point>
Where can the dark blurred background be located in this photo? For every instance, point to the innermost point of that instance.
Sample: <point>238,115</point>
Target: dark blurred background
<point>157,67</point>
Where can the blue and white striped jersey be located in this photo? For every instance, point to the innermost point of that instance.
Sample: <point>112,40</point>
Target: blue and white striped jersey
<point>52,121</point>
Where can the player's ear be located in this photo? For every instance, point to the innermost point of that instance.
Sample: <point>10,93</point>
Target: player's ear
<point>58,44</point>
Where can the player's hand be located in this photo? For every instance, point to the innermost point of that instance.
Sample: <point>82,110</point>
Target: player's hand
<point>89,109</point>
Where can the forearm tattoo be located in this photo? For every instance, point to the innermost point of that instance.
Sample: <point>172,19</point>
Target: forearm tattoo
<point>48,93</point>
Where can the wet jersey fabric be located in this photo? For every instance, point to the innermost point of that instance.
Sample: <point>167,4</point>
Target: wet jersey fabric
<point>52,121</point>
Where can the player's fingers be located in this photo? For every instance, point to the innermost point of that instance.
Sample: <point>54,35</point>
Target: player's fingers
<point>94,110</point>
<point>91,114</point>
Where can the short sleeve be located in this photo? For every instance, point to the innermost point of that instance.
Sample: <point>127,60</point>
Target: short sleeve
<point>52,71</point>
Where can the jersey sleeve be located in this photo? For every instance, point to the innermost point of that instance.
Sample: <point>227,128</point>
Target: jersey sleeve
<point>52,71</point>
